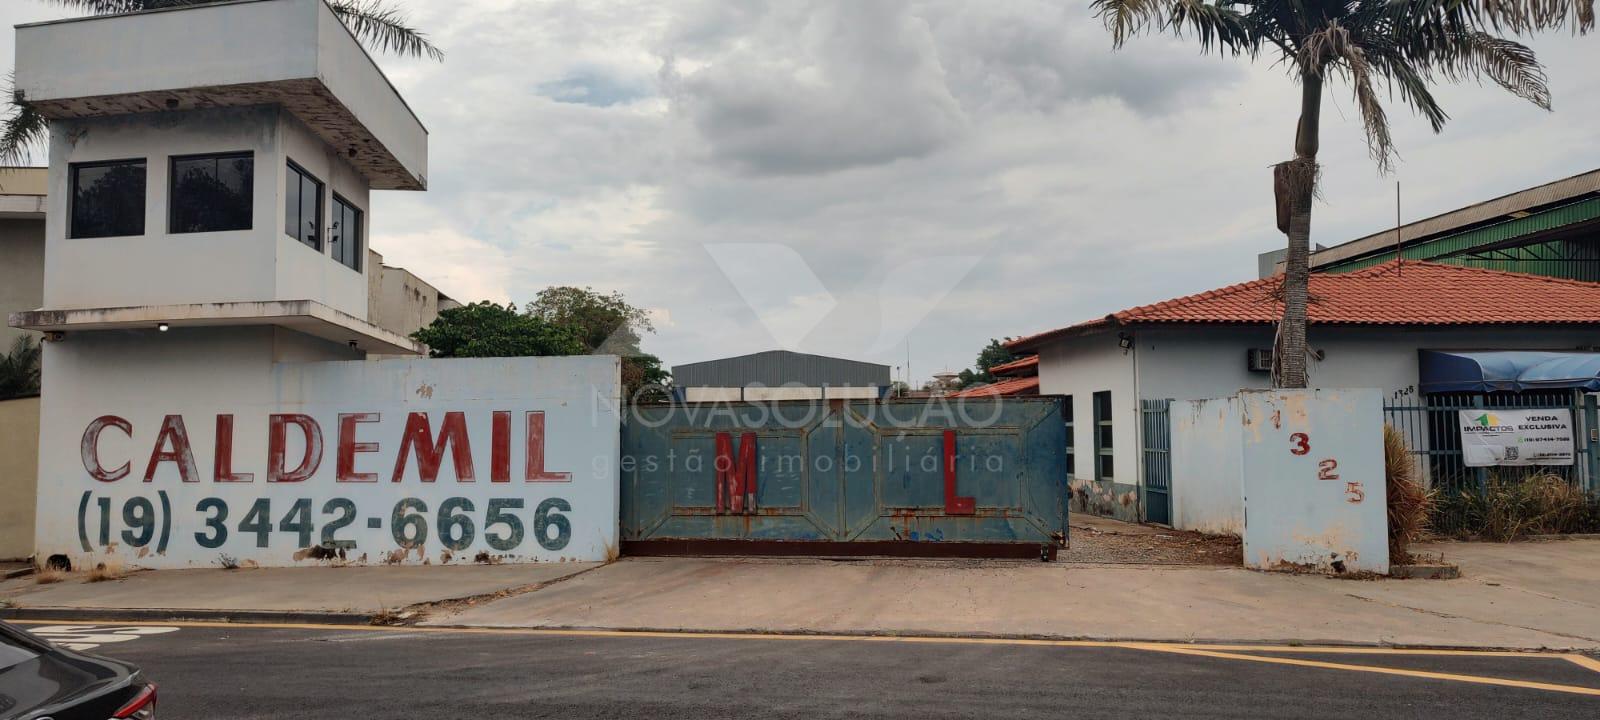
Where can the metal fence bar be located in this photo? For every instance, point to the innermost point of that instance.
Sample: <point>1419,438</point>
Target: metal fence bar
<point>1432,431</point>
<point>1157,480</point>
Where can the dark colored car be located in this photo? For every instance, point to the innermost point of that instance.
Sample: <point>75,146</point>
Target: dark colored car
<point>39,680</point>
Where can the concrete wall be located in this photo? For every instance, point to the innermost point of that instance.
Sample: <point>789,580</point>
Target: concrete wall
<point>400,301</point>
<point>158,268</point>
<point>214,46</point>
<point>1079,369</point>
<point>1313,479</point>
<point>1206,466</point>
<point>249,374</point>
<point>19,475</point>
<point>21,273</point>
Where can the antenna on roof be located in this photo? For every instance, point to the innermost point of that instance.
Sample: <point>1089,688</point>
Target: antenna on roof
<point>1399,262</point>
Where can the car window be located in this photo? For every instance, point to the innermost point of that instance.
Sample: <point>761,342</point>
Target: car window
<point>16,648</point>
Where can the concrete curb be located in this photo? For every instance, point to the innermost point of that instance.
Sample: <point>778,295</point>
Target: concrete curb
<point>276,617</point>
<point>935,636</point>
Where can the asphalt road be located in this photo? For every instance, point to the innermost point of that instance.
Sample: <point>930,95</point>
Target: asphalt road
<point>370,673</point>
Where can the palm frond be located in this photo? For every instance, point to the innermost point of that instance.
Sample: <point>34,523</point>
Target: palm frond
<point>1412,84</point>
<point>1508,63</point>
<point>1214,24</point>
<point>1332,47</point>
<point>384,27</point>
<point>23,131</point>
<point>1526,16</point>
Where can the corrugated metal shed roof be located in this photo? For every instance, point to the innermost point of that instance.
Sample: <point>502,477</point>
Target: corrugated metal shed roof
<point>1564,190</point>
<point>775,368</point>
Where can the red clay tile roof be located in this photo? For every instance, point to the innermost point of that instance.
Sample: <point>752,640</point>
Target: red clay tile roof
<point>1021,366</point>
<point>1415,293</point>
<point>1010,387</point>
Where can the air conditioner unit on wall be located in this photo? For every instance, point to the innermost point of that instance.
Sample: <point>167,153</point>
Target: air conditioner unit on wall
<point>1258,360</point>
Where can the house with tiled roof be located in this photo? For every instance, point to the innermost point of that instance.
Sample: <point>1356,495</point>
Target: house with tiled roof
<point>1368,328</point>
<point>1018,378</point>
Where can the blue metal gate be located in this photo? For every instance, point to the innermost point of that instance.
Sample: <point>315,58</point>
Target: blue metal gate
<point>1157,460</point>
<point>943,477</point>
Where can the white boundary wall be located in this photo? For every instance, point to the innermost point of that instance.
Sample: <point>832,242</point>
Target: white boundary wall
<point>1206,466</point>
<point>167,459</point>
<point>1314,488</point>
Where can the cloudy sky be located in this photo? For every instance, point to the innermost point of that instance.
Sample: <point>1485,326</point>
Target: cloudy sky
<point>842,176</point>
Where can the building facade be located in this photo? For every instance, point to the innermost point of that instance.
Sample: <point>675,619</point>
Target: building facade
<point>1367,328</point>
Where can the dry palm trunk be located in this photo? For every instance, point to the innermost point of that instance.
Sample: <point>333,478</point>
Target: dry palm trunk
<point>1295,184</point>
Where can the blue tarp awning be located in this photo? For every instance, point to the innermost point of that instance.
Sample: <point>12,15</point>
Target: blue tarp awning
<point>1507,371</point>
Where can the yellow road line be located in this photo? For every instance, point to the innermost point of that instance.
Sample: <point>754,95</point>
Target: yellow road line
<point>1316,649</point>
<point>1583,661</point>
<point>1299,662</point>
<point>1219,651</point>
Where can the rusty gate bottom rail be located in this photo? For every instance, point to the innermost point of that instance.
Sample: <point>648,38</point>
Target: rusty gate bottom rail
<point>830,548</point>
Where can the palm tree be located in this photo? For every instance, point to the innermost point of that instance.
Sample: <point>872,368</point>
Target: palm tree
<point>19,370</point>
<point>380,26</point>
<point>1406,45</point>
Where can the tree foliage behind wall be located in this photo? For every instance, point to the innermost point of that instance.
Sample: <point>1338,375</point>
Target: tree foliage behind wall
<point>560,321</point>
<point>19,370</point>
<point>991,355</point>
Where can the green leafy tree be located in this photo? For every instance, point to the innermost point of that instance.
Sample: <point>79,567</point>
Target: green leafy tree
<point>379,25</point>
<point>608,325</point>
<point>991,355</point>
<point>1402,46</point>
<point>643,378</point>
<point>484,329</point>
<point>19,370</point>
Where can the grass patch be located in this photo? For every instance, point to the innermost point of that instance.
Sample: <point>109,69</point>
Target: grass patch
<point>48,576</point>
<point>104,573</point>
<point>1512,508</point>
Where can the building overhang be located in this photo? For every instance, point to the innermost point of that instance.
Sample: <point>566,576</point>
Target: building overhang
<point>306,316</point>
<point>293,53</point>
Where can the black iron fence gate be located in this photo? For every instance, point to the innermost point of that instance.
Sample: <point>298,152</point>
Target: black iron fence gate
<point>1432,430</point>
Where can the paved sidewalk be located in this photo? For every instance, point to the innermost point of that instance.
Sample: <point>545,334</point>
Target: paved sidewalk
<point>361,590</point>
<point>1528,595</point>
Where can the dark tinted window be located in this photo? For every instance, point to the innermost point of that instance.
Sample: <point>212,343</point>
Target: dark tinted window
<point>107,199</point>
<point>344,239</point>
<point>15,649</point>
<point>212,193</point>
<point>1103,425</point>
<point>302,203</point>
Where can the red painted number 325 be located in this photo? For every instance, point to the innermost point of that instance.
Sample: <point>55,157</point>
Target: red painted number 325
<point>1299,443</point>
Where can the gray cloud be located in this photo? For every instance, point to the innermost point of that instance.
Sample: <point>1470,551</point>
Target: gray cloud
<point>608,142</point>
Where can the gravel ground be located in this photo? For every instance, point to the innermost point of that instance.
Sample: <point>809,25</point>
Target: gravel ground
<point>1103,542</point>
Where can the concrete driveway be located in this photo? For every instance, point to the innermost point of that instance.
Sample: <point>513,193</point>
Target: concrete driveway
<point>1526,595</point>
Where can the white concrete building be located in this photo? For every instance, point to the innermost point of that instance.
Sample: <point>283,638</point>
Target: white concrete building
<point>221,181</point>
<point>204,215</point>
<point>22,204</point>
<point>1367,329</point>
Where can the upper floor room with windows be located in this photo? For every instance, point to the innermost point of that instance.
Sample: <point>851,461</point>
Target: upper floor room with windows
<point>219,153</point>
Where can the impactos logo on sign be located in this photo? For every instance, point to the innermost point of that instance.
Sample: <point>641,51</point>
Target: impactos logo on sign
<point>1487,422</point>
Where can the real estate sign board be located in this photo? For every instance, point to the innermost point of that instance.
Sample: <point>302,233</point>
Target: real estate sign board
<point>1492,437</point>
